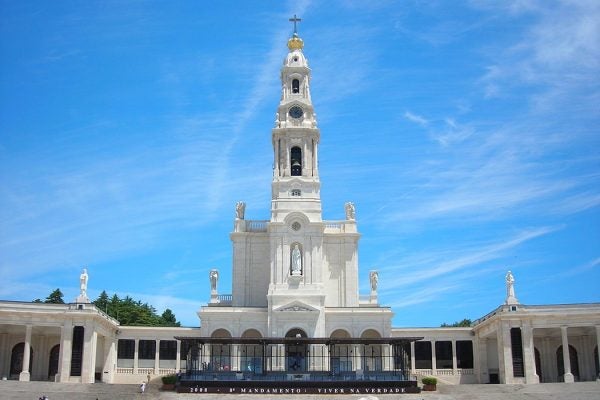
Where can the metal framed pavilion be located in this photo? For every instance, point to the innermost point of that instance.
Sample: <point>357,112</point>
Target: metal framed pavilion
<point>307,365</point>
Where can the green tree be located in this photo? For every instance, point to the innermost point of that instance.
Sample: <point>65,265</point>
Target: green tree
<point>133,312</point>
<point>102,301</point>
<point>464,323</point>
<point>56,297</point>
<point>168,318</point>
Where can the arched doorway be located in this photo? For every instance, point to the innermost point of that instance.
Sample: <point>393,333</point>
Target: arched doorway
<point>16,359</point>
<point>220,354</point>
<point>340,354</point>
<point>53,362</point>
<point>251,357</point>
<point>538,364</point>
<point>371,353</point>
<point>572,358</point>
<point>295,353</point>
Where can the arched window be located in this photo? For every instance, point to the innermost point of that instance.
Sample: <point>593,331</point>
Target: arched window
<point>573,359</point>
<point>538,364</point>
<point>295,86</point>
<point>16,359</point>
<point>296,161</point>
<point>53,361</point>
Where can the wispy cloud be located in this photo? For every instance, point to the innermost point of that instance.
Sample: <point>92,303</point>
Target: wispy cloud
<point>557,57</point>
<point>576,270</point>
<point>416,118</point>
<point>437,263</point>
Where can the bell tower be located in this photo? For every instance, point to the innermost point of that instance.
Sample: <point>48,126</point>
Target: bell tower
<point>296,274</point>
<point>296,227</point>
<point>296,185</point>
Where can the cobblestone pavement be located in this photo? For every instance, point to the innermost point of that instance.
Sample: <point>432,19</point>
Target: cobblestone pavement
<point>12,390</point>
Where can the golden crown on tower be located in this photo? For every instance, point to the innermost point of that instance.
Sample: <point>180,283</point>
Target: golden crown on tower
<point>295,43</point>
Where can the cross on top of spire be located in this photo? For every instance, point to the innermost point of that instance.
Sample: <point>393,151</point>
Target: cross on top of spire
<point>295,20</point>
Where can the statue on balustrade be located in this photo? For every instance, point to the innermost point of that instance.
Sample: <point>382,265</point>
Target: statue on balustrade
<point>214,277</point>
<point>240,209</point>
<point>350,211</point>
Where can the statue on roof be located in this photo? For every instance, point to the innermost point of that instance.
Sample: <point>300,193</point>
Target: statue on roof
<point>510,289</point>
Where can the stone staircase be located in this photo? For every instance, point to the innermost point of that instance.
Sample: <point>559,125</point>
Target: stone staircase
<point>15,390</point>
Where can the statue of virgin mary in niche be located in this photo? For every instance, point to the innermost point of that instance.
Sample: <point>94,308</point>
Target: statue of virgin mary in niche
<point>296,261</point>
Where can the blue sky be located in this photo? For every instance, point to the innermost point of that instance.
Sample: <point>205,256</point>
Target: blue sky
<point>466,133</point>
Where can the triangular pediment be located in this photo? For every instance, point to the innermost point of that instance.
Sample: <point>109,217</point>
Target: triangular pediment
<point>296,306</point>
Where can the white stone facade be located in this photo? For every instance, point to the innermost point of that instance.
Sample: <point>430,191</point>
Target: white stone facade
<point>295,271</point>
<point>298,274</point>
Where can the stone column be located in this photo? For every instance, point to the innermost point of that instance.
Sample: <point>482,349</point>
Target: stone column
<point>568,376</point>
<point>110,352</point>
<point>412,358</point>
<point>178,357</point>
<point>24,375</point>
<point>480,359</point>
<point>433,359</point>
<point>386,356</point>
<point>454,362</point>
<point>529,354</point>
<point>505,366</point>
<point>40,358</point>
<point>157,357</point>
<point>281,359</point>
<point>64,358</point>
<point>135,356</point>
<point>4,358</point>
<point>88,365</point>
<point>548,368</point>
<point>234,357</point>
<point>357,357</point>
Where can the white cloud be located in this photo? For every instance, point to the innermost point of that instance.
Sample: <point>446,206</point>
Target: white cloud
<point>416,118</point>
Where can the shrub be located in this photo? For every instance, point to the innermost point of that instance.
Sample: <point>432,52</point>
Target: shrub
<point>429,380</point>
<point>169,379</point>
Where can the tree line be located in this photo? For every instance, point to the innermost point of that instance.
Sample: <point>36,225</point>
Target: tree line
<point>126,310</point>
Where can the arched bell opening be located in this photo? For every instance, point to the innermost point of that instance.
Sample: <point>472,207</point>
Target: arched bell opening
<point>295,86</point>
<point>296,161</point>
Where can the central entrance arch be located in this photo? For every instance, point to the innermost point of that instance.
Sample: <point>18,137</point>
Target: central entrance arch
<point>295,353</point>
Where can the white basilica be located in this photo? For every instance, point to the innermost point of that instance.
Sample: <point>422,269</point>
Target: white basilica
<point>295,294</point>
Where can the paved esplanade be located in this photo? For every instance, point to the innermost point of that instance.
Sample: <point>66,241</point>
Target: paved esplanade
<point>14,390</point>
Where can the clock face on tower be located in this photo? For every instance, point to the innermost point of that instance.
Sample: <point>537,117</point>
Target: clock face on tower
<point>296,112</point>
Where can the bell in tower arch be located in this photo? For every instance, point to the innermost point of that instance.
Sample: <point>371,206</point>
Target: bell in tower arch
<point>296,161</point>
